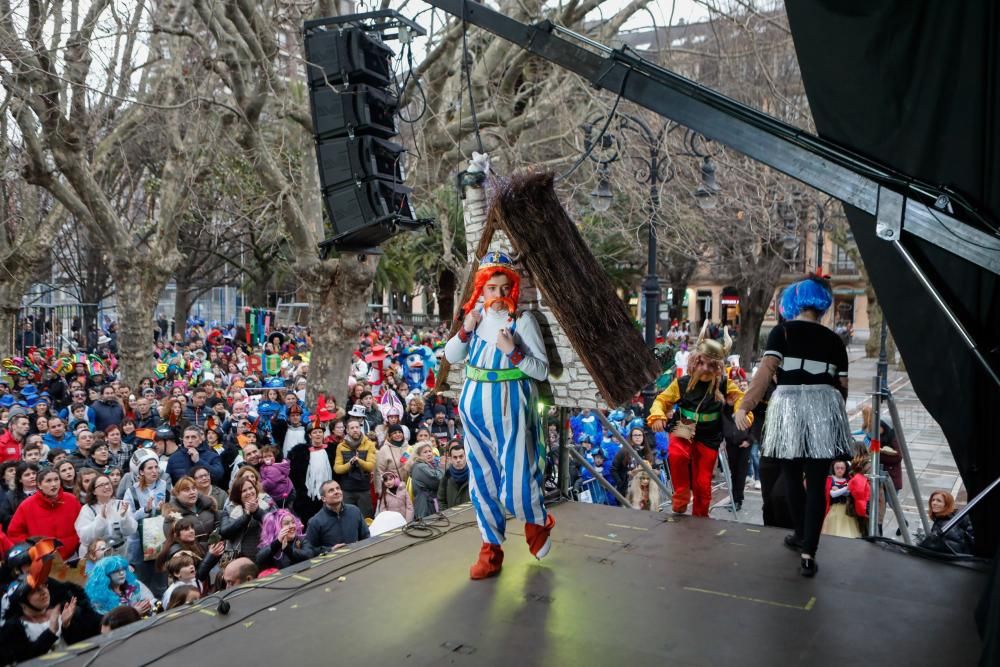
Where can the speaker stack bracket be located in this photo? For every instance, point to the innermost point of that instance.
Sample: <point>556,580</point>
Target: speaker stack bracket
<point>354,109</point>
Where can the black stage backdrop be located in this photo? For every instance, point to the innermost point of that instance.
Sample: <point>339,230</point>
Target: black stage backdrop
<point>916,84</point>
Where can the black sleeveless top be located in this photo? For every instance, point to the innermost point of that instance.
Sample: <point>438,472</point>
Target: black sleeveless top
<point>706,411</point>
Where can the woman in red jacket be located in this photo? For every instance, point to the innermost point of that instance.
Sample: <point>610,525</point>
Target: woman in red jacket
<point>49,513</point>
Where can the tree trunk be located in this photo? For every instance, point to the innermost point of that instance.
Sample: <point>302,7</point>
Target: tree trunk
<point>136,303</point>
<point>140,280</point>
<point>753,308</point>
<point>256,289</point>
<point>88,318</point>
<point>338,298</point>
<point>875,322</point>
<point>447,283</point>
<point>182,298</point>
<point>10,305</point>
<point>678,270</point>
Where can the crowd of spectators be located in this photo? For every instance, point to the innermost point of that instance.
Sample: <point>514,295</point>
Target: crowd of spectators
<point>206,473</point>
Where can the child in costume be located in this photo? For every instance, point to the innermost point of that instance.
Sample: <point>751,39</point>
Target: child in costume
<point>697,400</point>
<point>505,357</point>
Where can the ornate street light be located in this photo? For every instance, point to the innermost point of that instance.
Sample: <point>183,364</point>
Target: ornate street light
<point>601,195</point>
<point>654,169</point>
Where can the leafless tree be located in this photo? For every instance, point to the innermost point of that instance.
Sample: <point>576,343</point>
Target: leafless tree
<point>113,142</point>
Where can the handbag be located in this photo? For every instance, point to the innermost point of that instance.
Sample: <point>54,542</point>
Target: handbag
<point>152,536</point>
<point>150,532</point>
<point>233,549</point>
<point>684,428</point>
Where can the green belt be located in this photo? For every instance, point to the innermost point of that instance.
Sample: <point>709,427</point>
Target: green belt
<point>699,416</point>
<point>494,374</point>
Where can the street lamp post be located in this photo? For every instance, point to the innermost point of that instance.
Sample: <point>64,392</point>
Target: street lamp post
<point>655,169</point>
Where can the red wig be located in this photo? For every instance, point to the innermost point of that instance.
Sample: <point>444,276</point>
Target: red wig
<point>482,276</point>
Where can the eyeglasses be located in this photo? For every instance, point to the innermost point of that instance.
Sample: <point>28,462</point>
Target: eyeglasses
<point>102,485</point>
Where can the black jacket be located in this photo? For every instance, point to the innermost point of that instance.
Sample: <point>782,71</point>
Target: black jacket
<point>272,555</point>
<point>298,459</point>
<point>452,493</point>
<point>328,528</point>
<point>732,435</point>
<point>958,540</point>
<point>152,420</point>
<point>11,501</point>
<point>86,623</point>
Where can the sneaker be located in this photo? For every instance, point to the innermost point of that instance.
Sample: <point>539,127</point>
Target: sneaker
<point>756,484</point>
<point>808,567</point>
<point>793,542</point>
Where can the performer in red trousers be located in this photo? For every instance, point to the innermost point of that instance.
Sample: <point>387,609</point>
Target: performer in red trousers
<point>697,400</point>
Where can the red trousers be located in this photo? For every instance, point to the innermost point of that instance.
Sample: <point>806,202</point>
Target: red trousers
<point>691,467</point>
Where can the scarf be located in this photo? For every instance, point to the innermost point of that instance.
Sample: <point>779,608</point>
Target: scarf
<point>295,435</point>
<point>319,471</point>
<point>460,476</point>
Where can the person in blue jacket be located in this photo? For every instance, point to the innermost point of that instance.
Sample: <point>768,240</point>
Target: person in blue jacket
<point>598,494</point>
<point>195,451</point>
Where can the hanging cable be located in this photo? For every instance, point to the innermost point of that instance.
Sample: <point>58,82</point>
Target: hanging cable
<point>468,84</point>
<point>607,123</point>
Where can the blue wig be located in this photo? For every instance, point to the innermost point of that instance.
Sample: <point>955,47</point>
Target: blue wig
<point>98,588</point>
<point>810,293</point>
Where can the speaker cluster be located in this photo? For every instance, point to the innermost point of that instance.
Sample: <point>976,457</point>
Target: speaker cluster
<point>354,111</point>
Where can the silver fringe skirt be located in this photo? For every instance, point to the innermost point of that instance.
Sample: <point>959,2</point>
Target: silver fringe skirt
<point>806,421</point>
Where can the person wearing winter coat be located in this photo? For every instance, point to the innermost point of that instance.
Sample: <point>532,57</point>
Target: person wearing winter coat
<point>453,489</point>
<point>958,540</point>
<point>195,451</point>
<point>426,479</point>
<point>392,457</point>
<point>103,517</point>
<point>395,497</point>
<point>274,476</point>
<point>337,523</point>
<point>311,465</point>
<point>108,410</point>
<point>50,512</point>
<point>354,465</point>
<point>282,541</point>
<point>25,485</point>
<point>145,498</point>
<point>44,617</point>
<point>186,501</point>
<point>243,517</point>
<point>203,481</point>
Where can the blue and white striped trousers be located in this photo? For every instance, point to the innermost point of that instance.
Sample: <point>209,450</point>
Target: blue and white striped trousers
<point>505,451</point>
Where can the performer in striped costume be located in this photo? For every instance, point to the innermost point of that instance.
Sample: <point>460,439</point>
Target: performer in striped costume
<point>504,358</point>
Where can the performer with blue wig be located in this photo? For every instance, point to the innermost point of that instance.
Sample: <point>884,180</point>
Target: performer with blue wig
<point>505,357</point>
<point>111,584</point>
<point>806,425</point>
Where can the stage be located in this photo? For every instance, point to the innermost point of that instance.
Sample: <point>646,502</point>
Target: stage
<point>619,587</point>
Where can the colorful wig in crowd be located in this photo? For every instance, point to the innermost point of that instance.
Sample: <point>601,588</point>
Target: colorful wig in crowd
<point>271,527</point>
<point>98,586</point>
<point>813,293</point>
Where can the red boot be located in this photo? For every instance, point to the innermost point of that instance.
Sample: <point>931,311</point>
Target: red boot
<point>538,537</point>
<point>488,565</point>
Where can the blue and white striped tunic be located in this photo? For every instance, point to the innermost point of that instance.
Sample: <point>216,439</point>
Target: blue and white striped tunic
<point>503,436</point>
